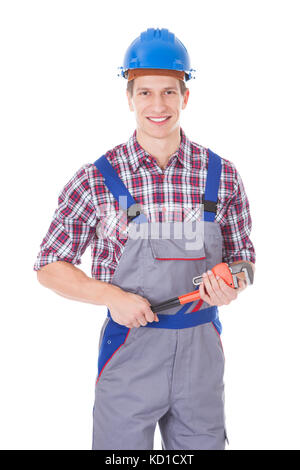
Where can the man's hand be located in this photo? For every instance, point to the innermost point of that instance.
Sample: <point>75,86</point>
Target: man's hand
<point>130,310</point>
<point>215,291</point>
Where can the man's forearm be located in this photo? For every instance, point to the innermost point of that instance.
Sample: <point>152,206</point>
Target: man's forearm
<point>71,282</point>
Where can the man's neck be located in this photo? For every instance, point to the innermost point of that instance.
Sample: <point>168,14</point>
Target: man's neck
<point>160,149</point>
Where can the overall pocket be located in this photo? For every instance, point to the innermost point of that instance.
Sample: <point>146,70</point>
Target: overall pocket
<point>115,340</point>
<point>169,269</point>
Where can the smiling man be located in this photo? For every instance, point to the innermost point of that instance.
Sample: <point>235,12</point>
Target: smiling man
<point>168,367</point>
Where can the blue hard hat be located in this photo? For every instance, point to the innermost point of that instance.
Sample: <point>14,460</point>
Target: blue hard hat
<point>157,49</point>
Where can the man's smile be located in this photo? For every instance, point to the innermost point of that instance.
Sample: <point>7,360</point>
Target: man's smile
<point>158,120</point>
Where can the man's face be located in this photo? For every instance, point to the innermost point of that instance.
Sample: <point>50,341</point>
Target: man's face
<point>157,97</point>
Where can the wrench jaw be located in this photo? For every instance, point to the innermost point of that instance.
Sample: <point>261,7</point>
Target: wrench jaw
<point>235,277</point>
<point>235,281</point>
<point>247,278</point>
<point>242,267</point>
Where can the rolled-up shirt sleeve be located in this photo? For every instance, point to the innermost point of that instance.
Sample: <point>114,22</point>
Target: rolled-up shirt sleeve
<point>73,225</point>
<point>237,228</point>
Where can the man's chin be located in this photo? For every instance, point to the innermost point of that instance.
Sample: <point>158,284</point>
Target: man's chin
<point>158,132</point>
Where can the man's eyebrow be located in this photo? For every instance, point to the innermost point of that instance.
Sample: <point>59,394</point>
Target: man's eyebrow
<point>166,88</point>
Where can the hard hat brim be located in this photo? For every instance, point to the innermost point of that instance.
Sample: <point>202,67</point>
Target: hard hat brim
<point>134,73</point>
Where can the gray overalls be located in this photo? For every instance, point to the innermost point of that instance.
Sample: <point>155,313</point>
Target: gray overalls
<point>169,372</point>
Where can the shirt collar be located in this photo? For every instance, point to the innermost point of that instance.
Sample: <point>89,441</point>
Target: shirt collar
<point>137,155</point>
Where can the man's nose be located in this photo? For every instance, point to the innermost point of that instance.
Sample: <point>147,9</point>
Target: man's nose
<point>158,102</point>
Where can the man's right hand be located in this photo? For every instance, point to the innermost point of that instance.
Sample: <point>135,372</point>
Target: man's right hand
<point>130,310</point>
<point>69,281</point>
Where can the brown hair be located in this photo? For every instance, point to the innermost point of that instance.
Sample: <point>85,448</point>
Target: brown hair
<point>182,84</point>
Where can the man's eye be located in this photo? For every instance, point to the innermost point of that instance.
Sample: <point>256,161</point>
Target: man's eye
<point>145,92</point>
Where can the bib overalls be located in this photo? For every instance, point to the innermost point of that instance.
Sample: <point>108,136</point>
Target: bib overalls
<point>169,372</point>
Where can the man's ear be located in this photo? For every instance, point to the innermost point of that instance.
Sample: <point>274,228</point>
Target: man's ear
<point>185,98</point>
<point>129,101</point>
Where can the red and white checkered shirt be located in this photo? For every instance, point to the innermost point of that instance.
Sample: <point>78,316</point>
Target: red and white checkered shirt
<point>87,209</point>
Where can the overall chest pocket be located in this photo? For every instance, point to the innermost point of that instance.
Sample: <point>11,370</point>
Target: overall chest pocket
<point>169,267</point>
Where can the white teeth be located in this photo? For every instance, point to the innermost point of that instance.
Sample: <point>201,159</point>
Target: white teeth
<point>158,119</point>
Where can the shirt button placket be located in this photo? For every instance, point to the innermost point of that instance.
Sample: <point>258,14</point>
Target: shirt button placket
<point>161,197</point>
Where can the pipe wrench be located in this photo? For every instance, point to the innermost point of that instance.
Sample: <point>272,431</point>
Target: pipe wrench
<point>227,272</point>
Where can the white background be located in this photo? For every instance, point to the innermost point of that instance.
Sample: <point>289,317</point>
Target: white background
<point>62,105</point>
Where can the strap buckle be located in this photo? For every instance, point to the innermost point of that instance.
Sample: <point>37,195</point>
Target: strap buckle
<point>134,211</point>
<point>210,206</point>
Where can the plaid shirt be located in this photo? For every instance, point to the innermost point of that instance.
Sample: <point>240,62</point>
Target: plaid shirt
<point>87,210</point>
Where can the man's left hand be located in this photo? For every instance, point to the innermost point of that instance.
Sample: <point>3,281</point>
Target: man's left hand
<point>215,291</point>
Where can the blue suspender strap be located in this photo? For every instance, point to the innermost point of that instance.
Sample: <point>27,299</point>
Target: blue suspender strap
<point>125,200</point>
<point>117,187</point>
<point>212,186</point>
<point>210,203</point>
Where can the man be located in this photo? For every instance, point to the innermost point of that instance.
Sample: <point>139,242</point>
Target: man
<point>140,207</point>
